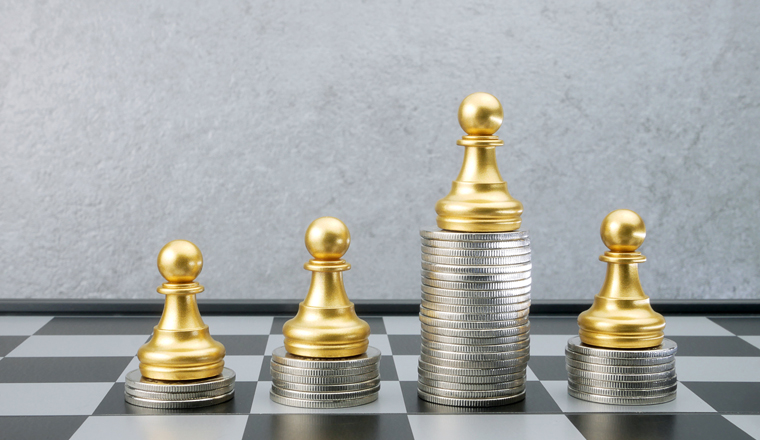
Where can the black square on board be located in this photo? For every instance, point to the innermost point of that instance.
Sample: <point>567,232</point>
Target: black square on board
<point>405,344</point>
<point>553,326</point>
<point>548,367</point>
<point>388,368</point>
<point>602,426</point>
<point>243,345</point>
<point>107,325</point>
<point>61,369</point>
<point>714,346</point>
<point>9,343</point>
<point>729,397</point>
<point>40,427</point>
<point>265,375</point>
<point>739,326</point>
<point>328,427</point>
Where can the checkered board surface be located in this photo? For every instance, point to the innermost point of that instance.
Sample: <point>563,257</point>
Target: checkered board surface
<point>63,377</point>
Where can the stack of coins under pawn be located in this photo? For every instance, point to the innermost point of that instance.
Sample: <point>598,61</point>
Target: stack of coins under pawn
<point>181,366</point>
<point>475,279</point>
<point>160,394</point>
<point>326,361</point>
<point>621,356</point>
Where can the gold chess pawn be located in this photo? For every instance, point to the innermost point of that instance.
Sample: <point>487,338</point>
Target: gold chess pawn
<point>181,347</point>
<point>326,325</point>
<point>621,316</point>
<point>479,200</point>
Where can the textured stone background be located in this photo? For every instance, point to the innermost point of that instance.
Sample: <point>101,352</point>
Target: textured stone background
<point>125,124</point>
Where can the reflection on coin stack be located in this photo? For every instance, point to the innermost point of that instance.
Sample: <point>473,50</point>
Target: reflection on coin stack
<point>326,361</point>
<point>474,315</point>
<point>181,366</point>
<point>475,278</point>
<point>621,356</point>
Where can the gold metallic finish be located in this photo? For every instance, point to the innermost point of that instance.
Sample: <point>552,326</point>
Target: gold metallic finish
<point>479,200</point>
<point>621,316</point>
<point>181,347</point>
<point>326,325</point>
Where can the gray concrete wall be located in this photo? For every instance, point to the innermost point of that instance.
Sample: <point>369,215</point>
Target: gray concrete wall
<point>126,124</point>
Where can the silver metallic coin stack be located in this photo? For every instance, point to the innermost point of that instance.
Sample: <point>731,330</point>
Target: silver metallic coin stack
<point>160,394</point>
<point>621,377</point>
<point>324,383</point>
<point>474,315</point>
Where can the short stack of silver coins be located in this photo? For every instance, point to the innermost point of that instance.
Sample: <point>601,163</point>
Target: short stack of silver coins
<point>160,394</point>
<point>324,383</point>
<point>621,377</point>
<point>474,317</point>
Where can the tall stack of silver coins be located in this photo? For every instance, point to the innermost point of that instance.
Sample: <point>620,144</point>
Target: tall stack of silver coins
<point>621,377</point>
<point>324,383</point>
<point>474,316</point>
<point>149,393</point>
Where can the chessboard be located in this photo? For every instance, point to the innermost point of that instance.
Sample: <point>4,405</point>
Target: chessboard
<point>62,377</point>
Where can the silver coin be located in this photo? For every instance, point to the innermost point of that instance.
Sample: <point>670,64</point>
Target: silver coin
<point>476,270</point>
<point>456,285</point>
<point>449,301</point>
<point>452,363</point>
<point>613,377</point>
<point>477,253</point>
<point>282,357</point>
<point>614,369</point>
<point>431,337</point>
<point>135,380</point>
<point>323,380</point>
<point>471,380</point>
<point>475,261</point>
<point>313,388</point>
<point>468,348</point>
<point>322,404</point>
<point>177,396</point>
<point>343,395</point>
<point>474,317</point>
<point>467,278</point>
<point>476,333</point>
<point>667,348</point>
<point>321,371</point>
<point>627,393</point>
<point>473,325</point>
<point>448,244</point>
<point>434,233</point>
<point>476,371</point>
<point>476,309</point>
<point>178,404</point>
<point>460,394</point>
<point>621,385</point>
<point>471,386</point>
<point>474,403</point>
<point>444,293</point>
<point>621,400</point>
<point>623,362</point>
<point>476,357</point>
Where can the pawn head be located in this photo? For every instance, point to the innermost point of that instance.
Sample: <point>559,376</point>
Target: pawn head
<point>327,238</point>
<point>480,114</point>
<point>623,231</point>
<point>180,261</point>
